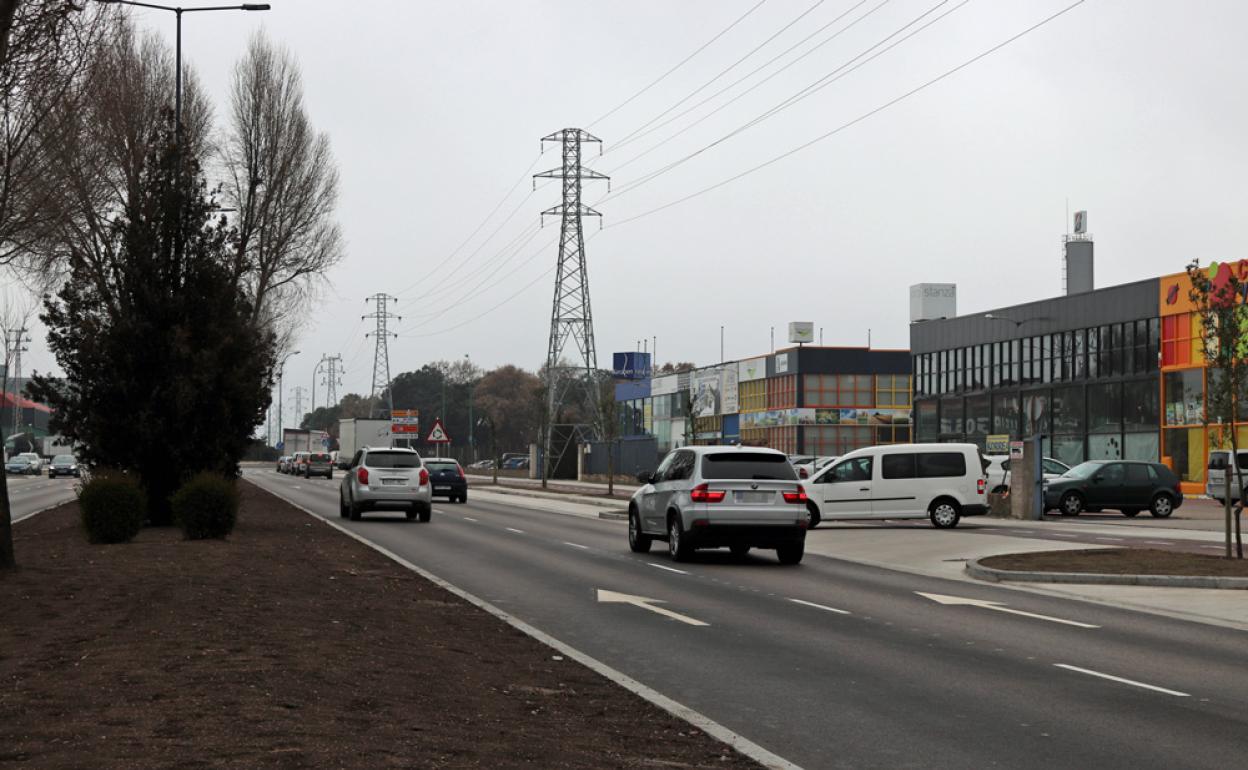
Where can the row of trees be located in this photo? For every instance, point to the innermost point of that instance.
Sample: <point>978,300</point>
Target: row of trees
<point>165,314</point>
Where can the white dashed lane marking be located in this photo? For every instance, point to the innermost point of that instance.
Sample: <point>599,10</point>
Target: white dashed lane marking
<point>669,569</point>
<point>513,529</point>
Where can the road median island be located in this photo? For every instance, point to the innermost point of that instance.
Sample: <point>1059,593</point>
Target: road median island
<point>1114,566</point>
<point>290,645</point>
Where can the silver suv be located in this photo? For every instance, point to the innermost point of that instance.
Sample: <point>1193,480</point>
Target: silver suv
<point>386,477</point>
<point>716,496</point>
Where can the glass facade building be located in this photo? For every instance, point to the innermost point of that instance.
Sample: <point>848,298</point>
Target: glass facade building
<point>1080,370</point>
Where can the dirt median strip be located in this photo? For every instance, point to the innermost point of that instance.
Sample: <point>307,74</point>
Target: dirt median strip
<point>290,645</point>
<point>1114,566</point>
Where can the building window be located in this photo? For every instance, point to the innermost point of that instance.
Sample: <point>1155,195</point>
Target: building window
<point>1139,400</point>
<point>892,390</point>
<point>752,395</point>
<point>782,392</point>
<point>1036,414</point>
<point>1005,414</point>
<point>839,439</point>
<point>927,421</point>
<point>1184,395</point>
<point>1080,359</point>
<point>1180,340</point>
<point>951,424</point>
<point>978,417</point>
<point>842,390</point>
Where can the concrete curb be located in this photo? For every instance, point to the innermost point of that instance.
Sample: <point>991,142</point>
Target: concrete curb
<point>992,575</point>
<point>704,723</point>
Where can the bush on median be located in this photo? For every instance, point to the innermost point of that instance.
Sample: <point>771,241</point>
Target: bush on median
<point>113,507</point>
<point>206,506</point>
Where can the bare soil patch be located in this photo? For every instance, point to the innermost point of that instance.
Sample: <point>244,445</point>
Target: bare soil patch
<point>289,646</point>
<point>1121,561</point>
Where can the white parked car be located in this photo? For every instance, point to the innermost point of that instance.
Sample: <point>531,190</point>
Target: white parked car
<point>999,469</point>
<point>1215,479</point>
<point>941,482</point>
<point>35,460</point>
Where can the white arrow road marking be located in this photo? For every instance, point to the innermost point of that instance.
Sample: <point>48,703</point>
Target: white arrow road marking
<point>820,606</point>
<point>1132,682</point>
<point>959,600</point>
<point>646,604</point>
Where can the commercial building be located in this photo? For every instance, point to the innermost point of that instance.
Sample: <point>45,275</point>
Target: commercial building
<point>801,400</point>
<point>1114,373</point>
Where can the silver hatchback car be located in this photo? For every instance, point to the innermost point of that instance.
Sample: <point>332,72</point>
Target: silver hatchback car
<point>386,477</point>
<point>716,496</point>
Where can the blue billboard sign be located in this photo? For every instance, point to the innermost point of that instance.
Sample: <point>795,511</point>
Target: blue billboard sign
<point>630,366</point>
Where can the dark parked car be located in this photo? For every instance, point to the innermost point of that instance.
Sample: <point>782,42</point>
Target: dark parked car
<point>1121,485</point>
<point>448,479</point>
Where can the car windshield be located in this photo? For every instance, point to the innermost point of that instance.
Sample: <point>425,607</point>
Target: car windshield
<point>20,461</point>
<point>747,465</point>
<point>63,459</point>
<point>1083,470</point>
<point>392,460</point>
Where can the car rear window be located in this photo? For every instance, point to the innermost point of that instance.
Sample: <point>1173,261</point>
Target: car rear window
<point>932,465</point>
<point>441,464</point>
<point>747,465</point>
<point>319,457</point>
<point>392,460</point>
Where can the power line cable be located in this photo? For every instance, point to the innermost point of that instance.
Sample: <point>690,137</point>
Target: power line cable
<point>680,64</point>
<point>814,87</point>
<point>627,138</point>
<point>747,76</point>
<point>856,120</point>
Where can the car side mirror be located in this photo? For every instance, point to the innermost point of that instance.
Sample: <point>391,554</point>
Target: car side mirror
<point>645,477</point>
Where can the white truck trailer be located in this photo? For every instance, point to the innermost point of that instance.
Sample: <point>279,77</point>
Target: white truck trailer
<point>357,432</point>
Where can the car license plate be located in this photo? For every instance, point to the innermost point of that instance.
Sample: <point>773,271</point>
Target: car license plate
<point>392,482</point>
<point>753,497</point>
<point>441,489</point>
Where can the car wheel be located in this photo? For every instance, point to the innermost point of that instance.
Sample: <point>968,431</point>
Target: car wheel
<point>792,553</point>
<point>1162,506</point>
<point>739,551</point>
<point>637,541</point>
<point>410,513</point>
<point>1130,512</point>
<point>944,513</point>
<point>354,512</point>
<point>1071,504</point>
<point>1000,489</point>
<point>343,511</point>
<point>677,541</point>
<point>463,498</point>
<point>815,518</point>
<point>424,511</point>
<point>330,476</point>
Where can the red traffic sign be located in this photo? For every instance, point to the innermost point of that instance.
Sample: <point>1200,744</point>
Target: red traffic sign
<point>438,435</point>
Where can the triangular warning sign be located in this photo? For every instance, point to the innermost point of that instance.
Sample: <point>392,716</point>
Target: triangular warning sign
<point>438,434</point>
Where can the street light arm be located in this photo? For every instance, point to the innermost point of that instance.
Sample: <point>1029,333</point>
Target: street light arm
<point>141,5</point>
<point>175,9</point>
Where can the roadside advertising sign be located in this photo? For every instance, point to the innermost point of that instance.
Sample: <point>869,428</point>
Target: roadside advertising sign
<point>997,444</point>
<point>405,421</point>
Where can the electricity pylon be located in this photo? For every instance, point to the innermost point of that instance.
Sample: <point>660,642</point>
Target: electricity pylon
<point>571,321</point>
<point>381,353</point>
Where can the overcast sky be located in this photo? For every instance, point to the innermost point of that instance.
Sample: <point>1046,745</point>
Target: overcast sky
<point>1131,109</point>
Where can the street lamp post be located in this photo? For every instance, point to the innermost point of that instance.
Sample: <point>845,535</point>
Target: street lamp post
<point>178,11</point>
<point>472,386</point>
<point>281,370</point>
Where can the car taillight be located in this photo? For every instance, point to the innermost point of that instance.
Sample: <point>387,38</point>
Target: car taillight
<point>362,476</point>
<point>1178,487</point>
<point>460,471</point>
<point>982,484</point>
<point>796,497</point>
<point>424,477</point>
<point>702,493</point>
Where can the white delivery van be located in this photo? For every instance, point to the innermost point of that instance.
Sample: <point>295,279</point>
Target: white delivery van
<point>941,482</point>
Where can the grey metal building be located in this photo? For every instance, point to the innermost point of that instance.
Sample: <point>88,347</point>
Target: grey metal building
<point>1081,370</point>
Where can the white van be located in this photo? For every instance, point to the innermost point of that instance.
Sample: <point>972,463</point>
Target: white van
<point>1215,479</point>
<point>941,482</point>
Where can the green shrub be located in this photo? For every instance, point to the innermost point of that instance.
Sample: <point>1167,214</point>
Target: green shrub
<point>113,507</point>
<point>206,506</point>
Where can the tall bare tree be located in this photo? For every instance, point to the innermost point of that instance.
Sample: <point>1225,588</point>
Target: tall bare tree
<point>281,177</point>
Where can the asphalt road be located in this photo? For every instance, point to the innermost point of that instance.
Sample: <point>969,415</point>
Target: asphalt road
<point>28,494</point>
<point>832,664</point>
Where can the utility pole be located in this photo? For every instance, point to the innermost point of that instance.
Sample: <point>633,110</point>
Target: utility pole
<point>381,353</point>
<point>570,317</point>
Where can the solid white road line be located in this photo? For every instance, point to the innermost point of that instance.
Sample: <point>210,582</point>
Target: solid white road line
<point>469,518</point>
<point>513,529</point>
<point>1132,682</point>
<point>820,606</point>
<point>1159,542</point>
<point>669,569</point>
<point>1061,534</point>
<point>577,545</point>
<point>1110,538</point>
<point>679,710</point>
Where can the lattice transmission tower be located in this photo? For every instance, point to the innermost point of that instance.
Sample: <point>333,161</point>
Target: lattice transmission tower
<point>572,379</point>
<point>333,378</point>
<point>381,353</point>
